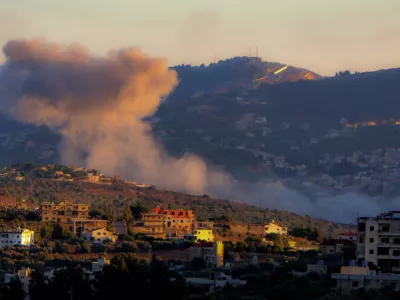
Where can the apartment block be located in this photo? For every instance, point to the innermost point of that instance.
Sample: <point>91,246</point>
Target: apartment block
<point>379,240</point>
<point>63,211</point>
<point>24,237</point>
<point>73,217</point>
<point>212,253</point>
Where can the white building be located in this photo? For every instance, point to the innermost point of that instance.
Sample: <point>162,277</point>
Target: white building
<point>351,236</point>
<point>354,278</point>
<point>379,240</point>
<point>97,266</point>
<point>99,236</point>
<point>24,237</point>
<point>275,228</point>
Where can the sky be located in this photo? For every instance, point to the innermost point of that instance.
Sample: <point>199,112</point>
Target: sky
<point>321,35</point>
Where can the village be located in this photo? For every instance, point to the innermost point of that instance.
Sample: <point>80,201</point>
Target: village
<point>370,251</point>
<point>208,256</point>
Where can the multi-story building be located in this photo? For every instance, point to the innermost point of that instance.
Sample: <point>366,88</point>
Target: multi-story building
<point>176,218</point>
<point>63,212</point>
<point>379,240</point>
<point>212,253</point>
<point>23,275</point>
<point>353,278</point>
<point>153,225</point>
<point>73,217</point>
<point>81,226</point>
<point>24,237</point>
<point>100,236</point>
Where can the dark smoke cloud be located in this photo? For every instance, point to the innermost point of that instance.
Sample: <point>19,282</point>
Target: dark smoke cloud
<point>97,105</point>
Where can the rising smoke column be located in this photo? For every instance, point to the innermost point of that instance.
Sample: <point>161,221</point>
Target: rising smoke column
<point>97,105</point>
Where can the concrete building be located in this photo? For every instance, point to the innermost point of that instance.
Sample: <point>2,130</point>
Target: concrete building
<point>334,246</point>
<point>63,211</point>
<point>203,224</point>
<point>212,253</point>
<point>353,278</point>
<point>379,240</point>
<point>24,237</point>
<point>78,227</point>
<point>351,236</point>
<point>99,236</point>
<point>98,266</point>
<point>23,275</point>
<point>176,218</point>
<point>272,227</point>
<point>153,225</point>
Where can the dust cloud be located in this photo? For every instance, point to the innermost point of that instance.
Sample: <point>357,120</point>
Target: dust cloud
<point>97,105</point>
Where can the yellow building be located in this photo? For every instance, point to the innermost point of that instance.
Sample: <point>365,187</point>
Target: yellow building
<point>204,235</point>
<point>99,236</point>
<point>272,227</point>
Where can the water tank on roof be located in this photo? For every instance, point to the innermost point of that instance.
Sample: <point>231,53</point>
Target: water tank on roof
<point>364,263</point>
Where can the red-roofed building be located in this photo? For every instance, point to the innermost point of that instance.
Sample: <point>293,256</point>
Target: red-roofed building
<point>176,218</point>
<point>351,236</point>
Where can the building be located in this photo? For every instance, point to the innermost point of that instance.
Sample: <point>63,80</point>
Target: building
<point>98,266</point>
<point>351,236</point>
<point>73,217</point>
<point>99,236</point>
<point>24,237</point>
<point>334,246</point>
<point>63,211</point>
<point>353,278</point>
<point>272,227</point>
<point>120,227</point>
<point>203,235</point>
<point>23,275</point>
<point>203,224</point>
<point>93,178</point>
<point>379,240</point>
<point>212,253</point>
<point>153,225</point>
<point>79,227</point>
<point>176,218</point>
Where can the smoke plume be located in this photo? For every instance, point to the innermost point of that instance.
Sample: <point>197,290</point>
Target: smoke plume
<point>97,104</point>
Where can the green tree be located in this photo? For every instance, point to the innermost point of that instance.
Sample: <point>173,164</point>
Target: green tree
<point>128,217</point>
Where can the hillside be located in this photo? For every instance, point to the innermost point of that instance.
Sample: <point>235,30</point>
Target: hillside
<point>234,73</point>
<point>41,185</point>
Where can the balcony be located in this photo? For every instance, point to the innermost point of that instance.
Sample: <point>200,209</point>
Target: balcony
<point>389,233</point>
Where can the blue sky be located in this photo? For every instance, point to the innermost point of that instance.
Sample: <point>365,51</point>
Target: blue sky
<point>321,35</point>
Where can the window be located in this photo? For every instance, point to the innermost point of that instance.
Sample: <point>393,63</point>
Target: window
<point>396,252</point>
<point>354,284</point>
<point>396,241</point>
<point>371,251</point>
<point>371,228</point>
<point>385,240</point>
<point>371,240</point>
<point>361,240</point>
